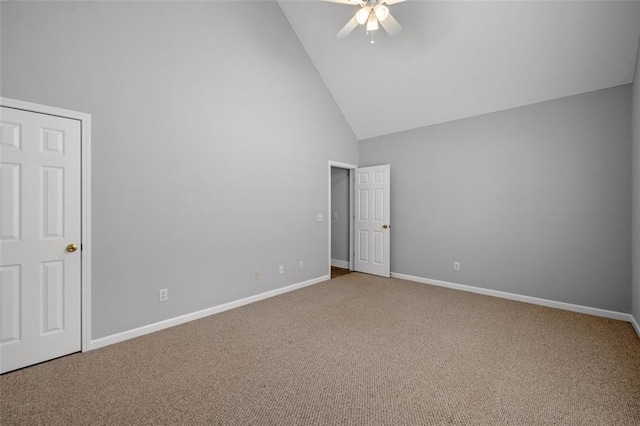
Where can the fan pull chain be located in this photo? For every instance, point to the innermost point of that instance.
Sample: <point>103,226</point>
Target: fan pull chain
<point>372,41</point>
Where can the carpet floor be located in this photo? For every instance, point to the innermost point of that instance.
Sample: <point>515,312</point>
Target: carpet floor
<point>355,350</point>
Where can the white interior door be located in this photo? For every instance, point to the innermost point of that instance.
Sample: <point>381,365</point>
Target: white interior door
<point>372,220</point>
<point>40,285</point>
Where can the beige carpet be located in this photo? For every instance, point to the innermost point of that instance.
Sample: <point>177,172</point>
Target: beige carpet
<point>355,350</point>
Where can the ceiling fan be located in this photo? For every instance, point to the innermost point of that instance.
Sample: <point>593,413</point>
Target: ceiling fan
<point>372,13</point>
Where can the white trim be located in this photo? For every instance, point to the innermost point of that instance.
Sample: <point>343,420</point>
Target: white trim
<point>43,109</point>
<point>85,126</point>
<point>141,331</point>
<point>341,165</point>
<point>520,298</point>
<point>86,234</point>
<point>349,167</point>
<point>352,218</point>
<point>340,263</point>
<point>635,325</point>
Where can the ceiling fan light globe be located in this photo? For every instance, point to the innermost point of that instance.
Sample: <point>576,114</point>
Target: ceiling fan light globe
<point>381,11</point>
<point>362,15</point>
<point>372,23</point>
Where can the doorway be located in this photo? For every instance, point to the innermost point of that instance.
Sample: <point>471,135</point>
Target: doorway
<point>369,214</point>
<point>340,218</point>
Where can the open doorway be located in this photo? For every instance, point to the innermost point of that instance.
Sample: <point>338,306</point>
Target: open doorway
<point>340,219</point>
<point>340,209</point>
<point>368,218</point>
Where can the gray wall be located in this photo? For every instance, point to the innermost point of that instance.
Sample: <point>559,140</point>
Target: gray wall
<point>211,136</point>
<point>636,191</point>
<point>534,200</point>
<point>340,207</point>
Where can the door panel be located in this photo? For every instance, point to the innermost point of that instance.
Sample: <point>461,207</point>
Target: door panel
<point>378,248</point>
<point>372,220</point>
<point>52,202</point>
<point>40,215</point>
<point>52,296</point>
<point>363,202</point>
<point>10,199</point>
<point>363,244</point>
<point>10,289</point>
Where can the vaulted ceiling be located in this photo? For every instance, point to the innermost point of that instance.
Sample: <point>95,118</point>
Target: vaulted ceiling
<point>460,59</point>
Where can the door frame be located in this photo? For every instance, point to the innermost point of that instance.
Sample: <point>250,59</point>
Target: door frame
<point>85,204</point>
<point>350,168</point>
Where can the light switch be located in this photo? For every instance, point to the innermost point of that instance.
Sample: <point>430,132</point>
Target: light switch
<point>335,215</point>
<point>319,217</point>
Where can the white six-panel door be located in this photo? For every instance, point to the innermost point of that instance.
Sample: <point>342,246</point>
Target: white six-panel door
<point>372,220</point>
<point>40,285</point>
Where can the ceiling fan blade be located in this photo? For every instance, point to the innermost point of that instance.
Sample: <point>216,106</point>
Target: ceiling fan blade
<point>391,25</point>
<point>350,2</point>
<point>346,30</point>
<point>393,1</point>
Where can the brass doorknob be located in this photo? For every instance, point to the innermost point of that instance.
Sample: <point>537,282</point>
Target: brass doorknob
<point>385,226</point>
<point>71,248</point>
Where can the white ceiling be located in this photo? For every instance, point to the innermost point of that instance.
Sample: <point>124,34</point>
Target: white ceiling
<point>460,59</point>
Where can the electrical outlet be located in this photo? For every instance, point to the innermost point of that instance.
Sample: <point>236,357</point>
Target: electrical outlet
<point>281,269</point>
<point>163,295</point>
<point>257,275</point>
<point>301,265</point>
<point>456,266</point>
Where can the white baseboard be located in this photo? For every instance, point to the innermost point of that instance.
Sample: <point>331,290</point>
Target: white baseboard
<point>340,263</point>
<point>141,331</point>
<point>527,299</point>
<point>635,325</point>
